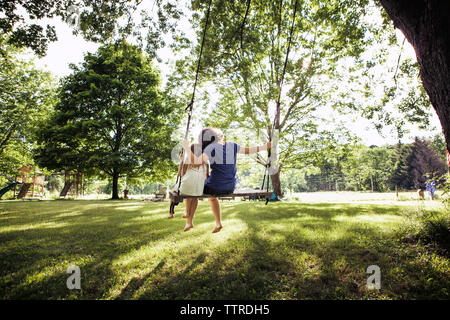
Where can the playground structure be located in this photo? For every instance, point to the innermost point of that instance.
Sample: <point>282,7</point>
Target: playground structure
<point>73,185</point>
<point>32,185</point>
<point>160,195</point>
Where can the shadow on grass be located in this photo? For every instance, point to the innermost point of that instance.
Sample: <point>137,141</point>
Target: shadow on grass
<point>280,251</point>
<point>39,241</point>
<point>270,263</point>
<point>137,282</point>
<point>254,267</point>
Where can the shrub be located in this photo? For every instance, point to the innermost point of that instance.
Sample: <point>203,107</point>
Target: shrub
<point>446,194</point>
<point>427,228</point>
<point>436,231</point>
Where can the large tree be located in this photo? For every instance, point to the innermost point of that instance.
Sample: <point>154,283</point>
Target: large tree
<point>111,118</point>
<point>426,25</point>
<point>424,164</point>
<point>400,176</point>
<point>26,98</point>
<point>244,55</point>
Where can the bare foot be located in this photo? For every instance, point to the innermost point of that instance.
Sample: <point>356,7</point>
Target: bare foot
<point>185,215</point>
<point>188,227</point>
<point>217,229</point>
<point>170,216</point>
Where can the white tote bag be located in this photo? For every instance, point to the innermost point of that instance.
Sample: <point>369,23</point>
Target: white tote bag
<point>193,181</point>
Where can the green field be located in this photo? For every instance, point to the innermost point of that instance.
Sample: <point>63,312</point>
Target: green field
<point>286,250</point>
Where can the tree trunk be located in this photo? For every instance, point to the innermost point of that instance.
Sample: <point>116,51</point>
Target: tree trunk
<point>426,25</point>
<point>276,184</point>
<point>4,142</point>
<point>448,160</point>
<point>115,186</point>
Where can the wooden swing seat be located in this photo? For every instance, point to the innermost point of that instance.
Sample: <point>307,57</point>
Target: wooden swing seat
<point>236,194</point>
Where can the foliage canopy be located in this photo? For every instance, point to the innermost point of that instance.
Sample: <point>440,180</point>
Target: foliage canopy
<point>111,119</point>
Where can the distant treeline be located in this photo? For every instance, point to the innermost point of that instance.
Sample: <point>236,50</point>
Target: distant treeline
<point>92,185</point>
<point>385,168</point>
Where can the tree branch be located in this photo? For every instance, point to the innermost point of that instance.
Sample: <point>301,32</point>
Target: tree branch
<point>6,138</point>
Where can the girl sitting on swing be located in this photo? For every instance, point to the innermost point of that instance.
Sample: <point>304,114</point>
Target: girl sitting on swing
<point>193,178</point>
<point>222,159</point>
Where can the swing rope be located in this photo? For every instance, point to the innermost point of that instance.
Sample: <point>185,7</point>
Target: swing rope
<point>266,172</point>
<point>190,106</point>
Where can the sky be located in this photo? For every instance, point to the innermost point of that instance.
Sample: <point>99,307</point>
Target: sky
<point>71,49</point>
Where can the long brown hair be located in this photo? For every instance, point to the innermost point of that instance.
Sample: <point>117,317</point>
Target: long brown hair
<point>197,151</point>
<point>210,135</point>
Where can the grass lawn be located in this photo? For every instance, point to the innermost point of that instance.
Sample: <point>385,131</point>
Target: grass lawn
<point>286,250</point>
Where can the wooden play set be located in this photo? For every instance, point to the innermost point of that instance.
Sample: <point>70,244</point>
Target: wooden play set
<point>32,184</point>
<point>73,185</point>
